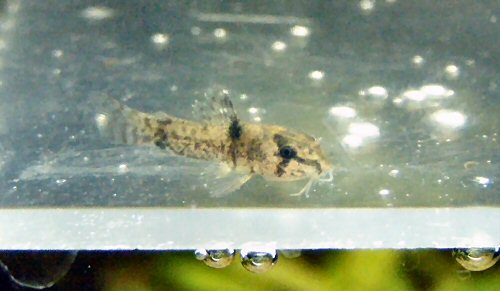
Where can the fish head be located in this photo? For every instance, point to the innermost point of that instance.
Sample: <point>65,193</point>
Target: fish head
<point>293,156</point>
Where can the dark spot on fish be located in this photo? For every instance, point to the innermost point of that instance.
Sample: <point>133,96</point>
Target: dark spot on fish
<point>235,129</point>
<point>280,169</point>
<point>147,122</point>
<point>312,163</point>
<point>161,139</point>
<point>234,132</point>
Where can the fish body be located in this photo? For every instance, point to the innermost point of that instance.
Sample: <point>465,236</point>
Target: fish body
<point>271,151</point>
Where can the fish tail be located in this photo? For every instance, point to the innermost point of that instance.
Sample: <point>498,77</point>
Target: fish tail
<point>119,123</point>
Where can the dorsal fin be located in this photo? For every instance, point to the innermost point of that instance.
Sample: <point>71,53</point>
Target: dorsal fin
<point>215,108</point>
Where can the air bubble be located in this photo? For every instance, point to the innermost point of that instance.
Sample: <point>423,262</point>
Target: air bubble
<point>477,259</point>
<point>215,258</point>
<point>259,260</point>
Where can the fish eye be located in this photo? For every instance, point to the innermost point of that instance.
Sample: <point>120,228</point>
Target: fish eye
<point>287,152</point>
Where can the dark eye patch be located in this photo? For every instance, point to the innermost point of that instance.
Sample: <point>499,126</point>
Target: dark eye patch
<point>312,163</point>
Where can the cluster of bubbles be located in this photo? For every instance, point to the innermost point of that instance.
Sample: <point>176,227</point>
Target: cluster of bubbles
<point>256,259</point>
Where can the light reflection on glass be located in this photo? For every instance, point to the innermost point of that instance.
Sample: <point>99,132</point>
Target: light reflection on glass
<point>160,38</point>
<point>220,33</point>
<point>426,96</point>
<point>253,110</point>
<point>394,173</point>
<point>452,71</point>
<point>101,120</point>
<point>364,129</point>
<point>57,53</point>
<point>195,30</point>
<point>352,141</point>
<point>449,119</point>
<point>484,181</point>
<point>316,75</point>
<point>278,46</point>
<point>255,113</point>
<point>342,112</point>
<point>414,95</point>
<point>359,133</point>
<point>436,91</point>
<point>97,13</point>
<point>417,60</point>
<point>384,192</point>
<point>366,5</point>
<point>378,92</point>
<point>300,31</point>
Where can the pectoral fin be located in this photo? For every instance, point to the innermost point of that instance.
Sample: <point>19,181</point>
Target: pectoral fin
<point>222,181</point>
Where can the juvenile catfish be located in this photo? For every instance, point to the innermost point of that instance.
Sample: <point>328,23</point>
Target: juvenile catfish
<point>272,151</point>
